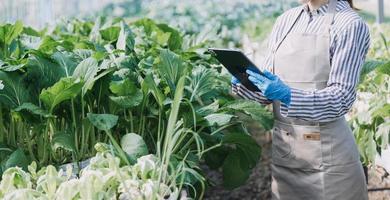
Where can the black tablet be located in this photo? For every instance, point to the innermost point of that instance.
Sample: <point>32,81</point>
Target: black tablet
<point>236,63</point>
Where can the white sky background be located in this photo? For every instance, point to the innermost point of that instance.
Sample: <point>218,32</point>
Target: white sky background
<point>38,13</point>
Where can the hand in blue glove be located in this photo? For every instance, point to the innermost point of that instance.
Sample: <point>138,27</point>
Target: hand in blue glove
<point>235,81</point>
<point>272,87</point>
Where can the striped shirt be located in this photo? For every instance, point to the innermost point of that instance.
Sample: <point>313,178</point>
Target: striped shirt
<point>349,43</point>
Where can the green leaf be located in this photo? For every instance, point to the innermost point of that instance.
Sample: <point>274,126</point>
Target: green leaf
<point>208,109</point>
<point>14,92</point>
<point>64,141</point>
<point>126,39</point>
<point>103,121</point>
<point>10,32</point>
<point>251,151</point>
<point>202,81</point>
<point>128,95</point>
<point>32,32</point>
<point>171,67</point>
<point>123,88</point>
<point>253,109</point>
<point>234,174</point>
<point>216,157</point>
<point>66,60</point>
<point>48,45</point>
<point>175,106</point>
<point>65,89</point>
<point>32,109</point>
<point>368,67</point>
<point>384,69</point>
<point>11,68</point>
<point>175,40</point>
<point>17,158</point>
<point>152,87</point>
<point>219,119</point>
<point>87,70</point>
<point>129,101</point>
<point>383,111</point>
<point>110,34</point>
<point>43,71</point>
<point>134,146</point>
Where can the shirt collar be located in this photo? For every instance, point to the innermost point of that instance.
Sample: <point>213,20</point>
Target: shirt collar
<point>341,5</point>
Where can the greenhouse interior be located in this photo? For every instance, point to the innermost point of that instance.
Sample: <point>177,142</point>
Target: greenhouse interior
<point>194,99</point>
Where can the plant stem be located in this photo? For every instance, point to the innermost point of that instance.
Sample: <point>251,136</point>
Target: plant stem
<point>131,121</point>
<point>121,153</point>
<point>45,142</point>
<point>141,115</point>
<point>84,146</point>
<point>2,128</point>
<point>74,125</point>
<point>158,150</point>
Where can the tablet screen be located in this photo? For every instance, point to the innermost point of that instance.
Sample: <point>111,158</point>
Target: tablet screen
<point>236,63</point>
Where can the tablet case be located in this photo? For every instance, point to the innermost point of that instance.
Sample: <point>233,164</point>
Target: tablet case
<point>236,63</point>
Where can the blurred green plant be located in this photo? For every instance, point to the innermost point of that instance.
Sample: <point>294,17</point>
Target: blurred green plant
<point>370,116</point>
<point>222,22</point>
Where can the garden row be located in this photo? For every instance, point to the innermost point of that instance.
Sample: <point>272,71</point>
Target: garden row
<point>141,94</point>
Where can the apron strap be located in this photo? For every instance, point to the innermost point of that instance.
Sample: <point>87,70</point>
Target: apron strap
<point>329,18</point>
<point>276,47</point>
<point>288,31</point>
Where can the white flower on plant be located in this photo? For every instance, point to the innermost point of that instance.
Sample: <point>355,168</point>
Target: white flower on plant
<point>68,190</point>
<point>146,165</point>
<point>130,190</point>
<point>92,183</point>
<point>13,179</point>
<point>149,188</point>
<point>155,190</point>
<point>23,194</point>
<point>102,161</point>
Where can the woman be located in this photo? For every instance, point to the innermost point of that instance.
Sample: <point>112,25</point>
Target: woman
<point>316,54</point>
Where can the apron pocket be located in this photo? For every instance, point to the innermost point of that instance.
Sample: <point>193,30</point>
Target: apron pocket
<point>280,143</point>
<point>297,146</point>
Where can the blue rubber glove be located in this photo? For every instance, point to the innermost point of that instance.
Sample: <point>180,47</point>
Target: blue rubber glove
<point>235,81</point>
<point>272,87</point>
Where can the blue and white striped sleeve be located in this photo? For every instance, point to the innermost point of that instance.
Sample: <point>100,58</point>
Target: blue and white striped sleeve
<point>349,52</point>
<point>241,90</point>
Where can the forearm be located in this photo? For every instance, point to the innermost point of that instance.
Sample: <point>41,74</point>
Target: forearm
<point>320,105</point>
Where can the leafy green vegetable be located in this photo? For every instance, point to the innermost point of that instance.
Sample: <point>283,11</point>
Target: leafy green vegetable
<point>65,89</point>
<point>254,109</point>
<point>103,121</point>
<point>111,33</point>
<point>234,173</point>
<point>65,141</point>
<point>17,158</point>
<point>10,32</point>
<point>13,93</point>
<point>33,109</point>
<point>134,146</point>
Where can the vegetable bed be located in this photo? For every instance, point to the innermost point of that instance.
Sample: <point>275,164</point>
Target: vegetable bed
<point>134,88</point>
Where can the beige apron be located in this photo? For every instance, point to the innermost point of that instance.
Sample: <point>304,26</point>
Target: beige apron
<point>312,160</point>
